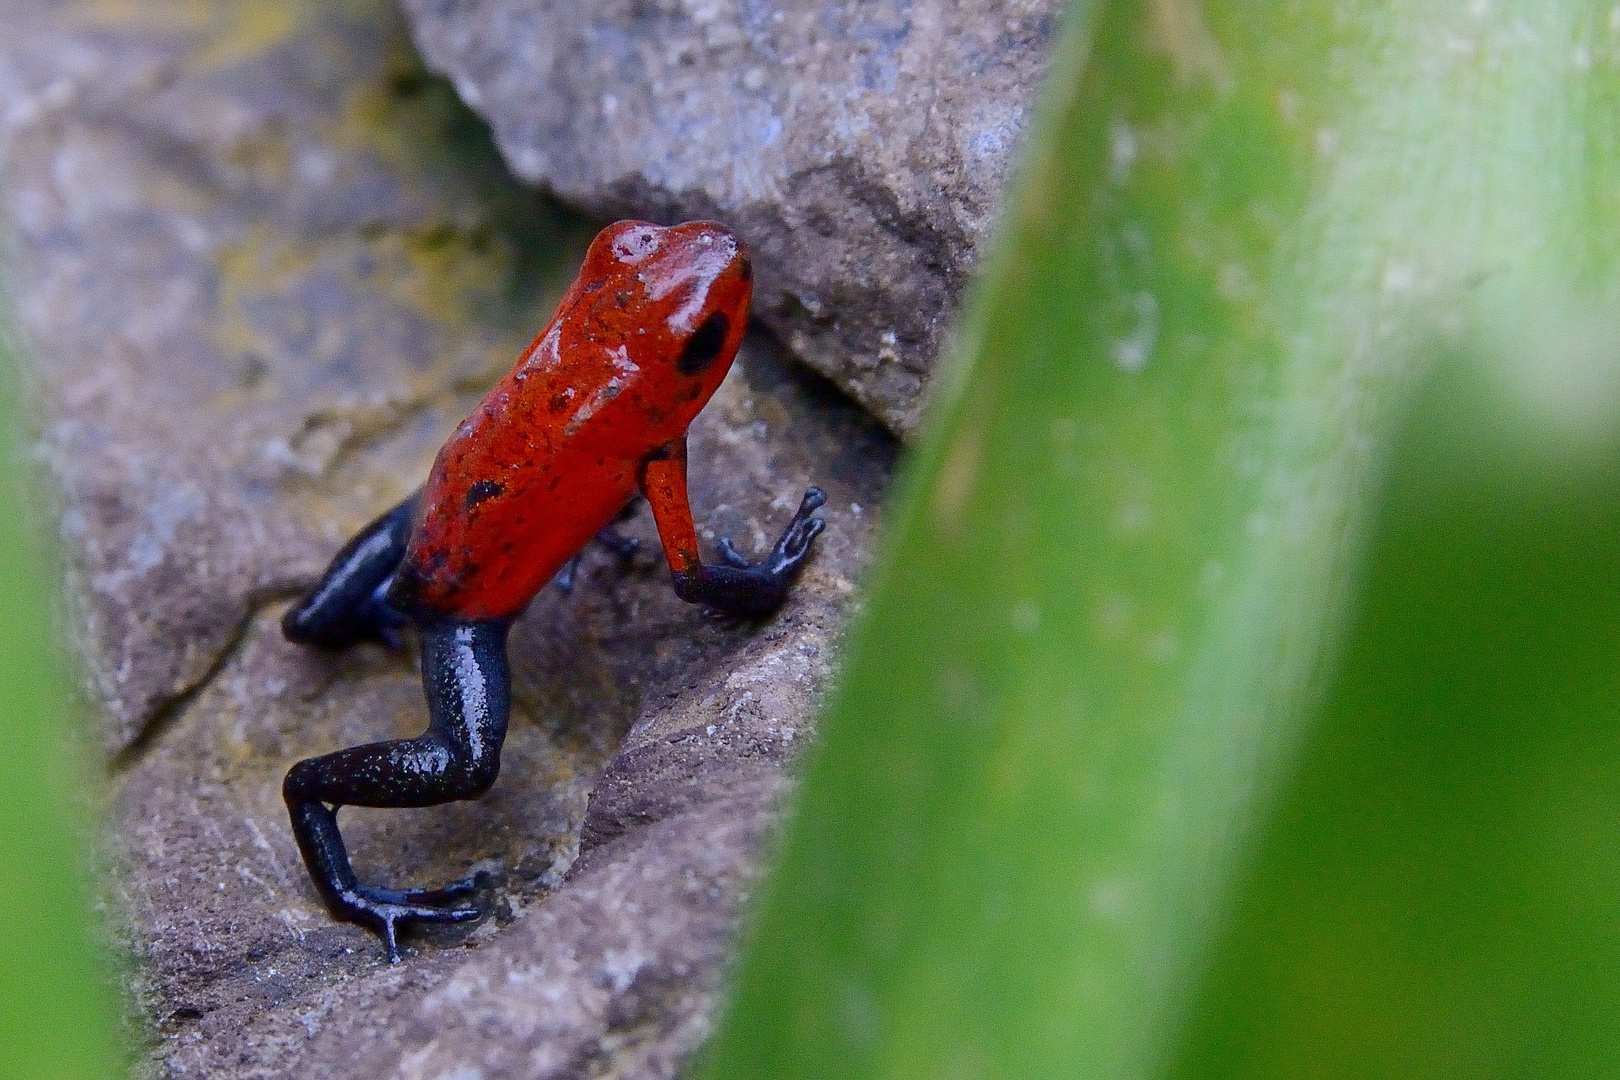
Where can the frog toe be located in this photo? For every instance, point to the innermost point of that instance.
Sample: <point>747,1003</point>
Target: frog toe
<point>385,910</point>
<point>733,557</point>
<point>444,894</point>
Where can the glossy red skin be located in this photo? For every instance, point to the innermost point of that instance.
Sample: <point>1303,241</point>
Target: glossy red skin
<point>556,449</point>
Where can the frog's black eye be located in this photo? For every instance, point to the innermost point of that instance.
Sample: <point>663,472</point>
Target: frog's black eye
<point>704,345</point>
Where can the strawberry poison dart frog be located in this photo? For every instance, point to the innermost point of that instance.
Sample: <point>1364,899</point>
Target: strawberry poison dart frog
<point>596,408</point>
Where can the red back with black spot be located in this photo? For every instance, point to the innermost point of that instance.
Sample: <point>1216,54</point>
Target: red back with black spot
<point>639,343</point>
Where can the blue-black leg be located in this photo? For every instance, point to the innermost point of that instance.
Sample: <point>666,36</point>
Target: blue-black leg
<point>744,588</point>
<point>739,587</point>
<point>468,688</point>
<point>350,602</point>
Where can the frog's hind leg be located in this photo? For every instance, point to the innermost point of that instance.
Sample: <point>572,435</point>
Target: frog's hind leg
<point>349,604</point>
<point>468,687</point>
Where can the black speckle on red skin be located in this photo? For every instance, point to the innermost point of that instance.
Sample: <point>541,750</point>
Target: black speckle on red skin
<point>703,347</point>
<point>660,316</point>
<point>484,489</point>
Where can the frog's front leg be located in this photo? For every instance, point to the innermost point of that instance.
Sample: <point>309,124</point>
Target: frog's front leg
<point>468,687</point>
<point>740,587</point>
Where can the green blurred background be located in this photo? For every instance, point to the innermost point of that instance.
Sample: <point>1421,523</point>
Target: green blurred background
<point>57,1013</point>
<point>1238,694</point>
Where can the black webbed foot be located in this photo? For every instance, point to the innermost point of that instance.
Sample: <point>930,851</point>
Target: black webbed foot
<point>741,587</point>
<point>442,896</point>
<point>728,551</point>
<point>790,551</point>
<point>385,910</point>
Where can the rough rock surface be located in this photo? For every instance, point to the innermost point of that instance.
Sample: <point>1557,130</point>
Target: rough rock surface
<point>261,263</point>
<point>860,148</point>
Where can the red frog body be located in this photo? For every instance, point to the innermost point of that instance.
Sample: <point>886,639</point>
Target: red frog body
<point>597,407</point>
<point>638,345</point>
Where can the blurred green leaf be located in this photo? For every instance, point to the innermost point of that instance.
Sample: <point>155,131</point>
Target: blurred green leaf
<point>1237,695</point>
<point>57,1019</point>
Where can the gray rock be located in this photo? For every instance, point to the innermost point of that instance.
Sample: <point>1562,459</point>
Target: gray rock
<point>860,149</point>
<point>261,265</point>
<point>616,895</point>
